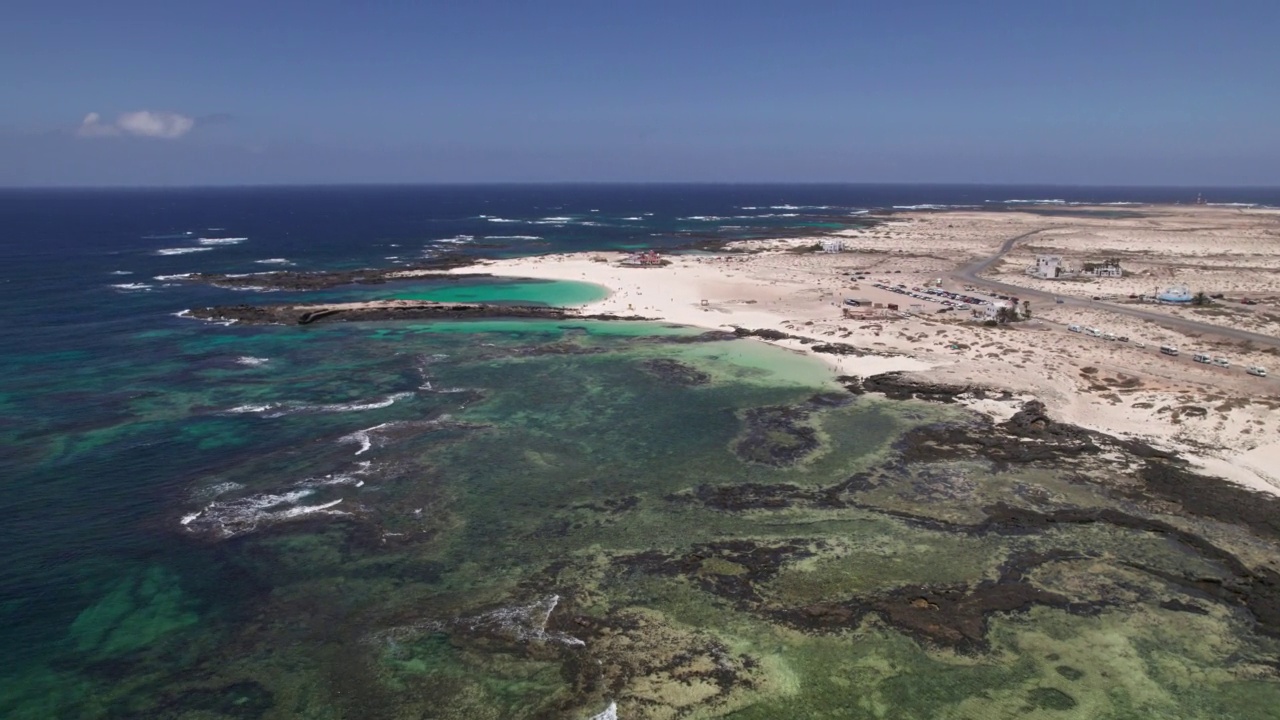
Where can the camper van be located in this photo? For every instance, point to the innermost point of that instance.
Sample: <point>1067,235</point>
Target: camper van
<point>1201,358</point>
<point>1256,370</point>
<point>1222,362</point>
<point>1168,350</point>
<point>1073,328</point>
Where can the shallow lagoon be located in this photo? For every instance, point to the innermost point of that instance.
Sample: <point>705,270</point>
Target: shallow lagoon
<point>534,519</point>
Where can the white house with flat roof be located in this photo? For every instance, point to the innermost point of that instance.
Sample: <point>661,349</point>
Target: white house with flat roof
<point>1048,267</point>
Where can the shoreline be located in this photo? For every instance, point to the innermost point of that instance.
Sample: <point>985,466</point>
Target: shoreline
<point>800,295</point>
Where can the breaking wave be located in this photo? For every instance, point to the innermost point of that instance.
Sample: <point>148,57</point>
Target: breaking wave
<point>252,361</point>
<point>222,240</point>
<point>275,410</point>
<point>512,237</point>
<point>1052,201</point>
<point>227,519</point>
<point>182,250</point>
<point>131,287</point>
<point>274,261</point>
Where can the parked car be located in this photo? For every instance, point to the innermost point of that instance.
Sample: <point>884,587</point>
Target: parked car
<point>1256,370</point>
<point>1201,358</point>
<point>1222,362</point>
<point>1073,328</point>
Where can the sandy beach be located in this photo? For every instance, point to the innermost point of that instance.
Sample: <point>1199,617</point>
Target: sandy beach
<point>1220,418</point>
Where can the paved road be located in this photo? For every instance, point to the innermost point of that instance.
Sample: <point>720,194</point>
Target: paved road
<point>969,274</point>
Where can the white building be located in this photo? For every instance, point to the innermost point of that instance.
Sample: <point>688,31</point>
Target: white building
<point>1048,267</point>
<point>992,309</point>
<point>832,246</point>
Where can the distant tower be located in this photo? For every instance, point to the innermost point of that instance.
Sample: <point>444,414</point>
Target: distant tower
<point>1199,199</point>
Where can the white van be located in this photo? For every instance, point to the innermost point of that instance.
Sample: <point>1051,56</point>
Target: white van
<point>1168,350</point>
<point>1073,328</point>
<point>1222,362</point>
<point>1201,358</point>
<point>1256,370</point>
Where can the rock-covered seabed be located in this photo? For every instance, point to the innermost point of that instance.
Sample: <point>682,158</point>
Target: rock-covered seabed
<point>550,521</point>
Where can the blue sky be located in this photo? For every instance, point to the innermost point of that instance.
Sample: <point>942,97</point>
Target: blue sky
<point>191,93</point>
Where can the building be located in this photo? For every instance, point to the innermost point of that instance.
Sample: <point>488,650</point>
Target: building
<point>1106,268</point>
<point>832,246</point>
<point>1048,267</point>
<point>991,310</point>
<point>647,258</point>
<point>1175,294</point>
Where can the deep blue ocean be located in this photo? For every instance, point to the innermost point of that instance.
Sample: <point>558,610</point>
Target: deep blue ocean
<point>119,420</point>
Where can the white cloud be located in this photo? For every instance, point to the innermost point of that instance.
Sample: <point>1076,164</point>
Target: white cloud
<point>142,123</point>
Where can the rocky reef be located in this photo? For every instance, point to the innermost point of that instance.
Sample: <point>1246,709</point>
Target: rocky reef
<point>386,310</point>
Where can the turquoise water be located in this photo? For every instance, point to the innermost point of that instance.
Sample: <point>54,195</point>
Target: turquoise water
<point>555,293</point>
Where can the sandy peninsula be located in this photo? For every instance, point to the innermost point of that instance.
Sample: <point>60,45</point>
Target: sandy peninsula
<point>1223,419</point>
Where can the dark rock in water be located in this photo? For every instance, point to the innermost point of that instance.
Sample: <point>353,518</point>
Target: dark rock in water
<point>730,568</point>
<point>708,336</point>
<point>898,386</point>
<point>1255,590</point>
<point>1069,672</point>
<point>1050,699</point>
<point>765,334</point>
<point>385,310</point>
<point>839,349</point>
<point>1204,497</point>
<point>1179,606</point>
<point>954,617</point>
<point>675,372</point>
<point>775,436</point>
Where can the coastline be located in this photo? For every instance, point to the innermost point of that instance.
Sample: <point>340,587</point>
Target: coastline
<point>774,288</point>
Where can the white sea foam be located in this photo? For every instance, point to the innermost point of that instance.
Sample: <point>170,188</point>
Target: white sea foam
<point>705,218</point>
<point>182,250</point>
<point>132,287</point>
<point>364,437</point>
<point>457,239</point>
<point>633,218</point>
<point>502,220</point>
<point>222,240</point>
<point>213,491</point>
<point>274,261</point>
<point>1050,201</point>
<point>275,410</point>
<point>555,219</point>
<point>512,237</point>
<point>171,278</point>
<point>927,206</point>
<point>252,361</point>
<point>332,480</point>
<point>121,272</point>
<point>1234,204</point>
<point>610,713</point>
<point>226,519</point>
